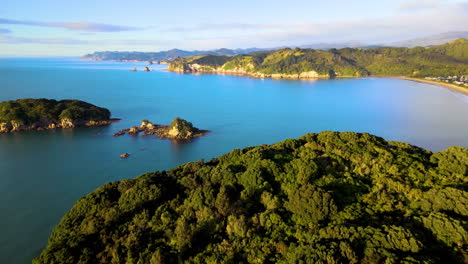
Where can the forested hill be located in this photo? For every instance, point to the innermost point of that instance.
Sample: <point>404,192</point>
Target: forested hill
<point>40,114</point>
<point>160,56</point>
<point>322,198</point>
<point>443,60</point>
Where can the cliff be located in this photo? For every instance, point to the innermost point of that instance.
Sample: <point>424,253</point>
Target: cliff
<point>322,198</point>
<point>42,114</point>
<point>443,60</point>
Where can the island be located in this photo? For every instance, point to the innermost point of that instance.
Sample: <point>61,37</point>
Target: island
<point>448,59</point>
<point>43,114</point>
<point>179,129</point>
<point>322,198</point>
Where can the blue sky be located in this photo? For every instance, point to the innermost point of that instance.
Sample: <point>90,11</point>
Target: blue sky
<point>72,28</point>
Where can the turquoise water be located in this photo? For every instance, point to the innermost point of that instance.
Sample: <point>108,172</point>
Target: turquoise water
<point>43,173</point>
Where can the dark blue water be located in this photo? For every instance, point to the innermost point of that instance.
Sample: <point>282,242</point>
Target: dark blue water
<point>43,173</point>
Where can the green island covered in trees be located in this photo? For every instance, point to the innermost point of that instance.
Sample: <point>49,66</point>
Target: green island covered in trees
<point>41,114</point>
<point>322,198</point>
<point>443,60</point>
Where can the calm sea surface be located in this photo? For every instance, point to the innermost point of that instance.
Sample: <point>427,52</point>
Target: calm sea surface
<point>43,173</point>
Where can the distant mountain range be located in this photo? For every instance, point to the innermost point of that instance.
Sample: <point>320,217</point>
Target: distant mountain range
<point>169,55</point>
<point>431,40</point>
<point>428,41</point>
<point>172,54</point>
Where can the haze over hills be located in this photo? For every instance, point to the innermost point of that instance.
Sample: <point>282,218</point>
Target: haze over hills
<point>172,54</point>
<point>428,41</point>
<point>168,55</point>
<point>432,40</point>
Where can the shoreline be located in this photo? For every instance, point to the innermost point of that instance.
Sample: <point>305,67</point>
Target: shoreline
<point>453,87</point>
<point>14,127</point>
<point>265,76</point>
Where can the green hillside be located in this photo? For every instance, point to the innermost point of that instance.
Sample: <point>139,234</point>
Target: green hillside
<point>30,111</point>
<point>322,198</point>
<point>444,60</point>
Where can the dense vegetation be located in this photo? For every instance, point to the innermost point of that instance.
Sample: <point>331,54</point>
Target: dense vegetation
<point>323,198</point>
<point>443,60</point>
<point>30,111</point>
<point>160,56</point>
<point>183,126</point>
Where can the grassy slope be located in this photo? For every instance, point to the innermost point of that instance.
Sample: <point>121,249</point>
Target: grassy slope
<point>443,60</point>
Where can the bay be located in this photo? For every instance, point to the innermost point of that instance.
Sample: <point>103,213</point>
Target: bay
<point>42,174</point>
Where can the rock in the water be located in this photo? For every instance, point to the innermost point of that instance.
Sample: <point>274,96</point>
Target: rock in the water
<point>145,124</point>
<point>134,130</point>
<point>178,129</point>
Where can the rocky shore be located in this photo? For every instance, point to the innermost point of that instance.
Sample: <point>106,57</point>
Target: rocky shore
<point>246,71</point>
<point>18,126</point>
<point>44,114</point>
<point>179,129</point>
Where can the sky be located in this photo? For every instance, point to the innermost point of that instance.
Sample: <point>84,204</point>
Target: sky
<point>74,28</point>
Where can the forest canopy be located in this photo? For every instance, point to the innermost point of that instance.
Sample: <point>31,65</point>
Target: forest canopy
<point>322,198</point>
<point>30,111</point>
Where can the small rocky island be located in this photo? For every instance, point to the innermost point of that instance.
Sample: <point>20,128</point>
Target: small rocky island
<point>43,114</point>
<point>179,129</point>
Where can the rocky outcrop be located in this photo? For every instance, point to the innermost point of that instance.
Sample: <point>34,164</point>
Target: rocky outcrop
<point>179,129</point>
<point>125,155</point>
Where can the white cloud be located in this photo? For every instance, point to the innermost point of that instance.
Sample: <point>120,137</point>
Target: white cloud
<point>75,26</point>
<point>385,29</point>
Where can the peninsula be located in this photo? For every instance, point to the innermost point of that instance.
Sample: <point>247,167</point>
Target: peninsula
<point>322,198</point>
<point>43,114</point>
<point>450,59</point>
<point>179,129</point>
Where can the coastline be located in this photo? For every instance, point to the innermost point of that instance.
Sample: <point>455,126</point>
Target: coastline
<point>454,87</point>
<point>15,126</point>
<point>275,76</point>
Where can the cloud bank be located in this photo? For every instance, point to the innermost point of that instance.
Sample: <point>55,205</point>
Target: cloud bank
<point>429,17</point>
<point>75,26</point>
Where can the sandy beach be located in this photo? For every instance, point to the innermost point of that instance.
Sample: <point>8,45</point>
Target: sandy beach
<point>455,87</point>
